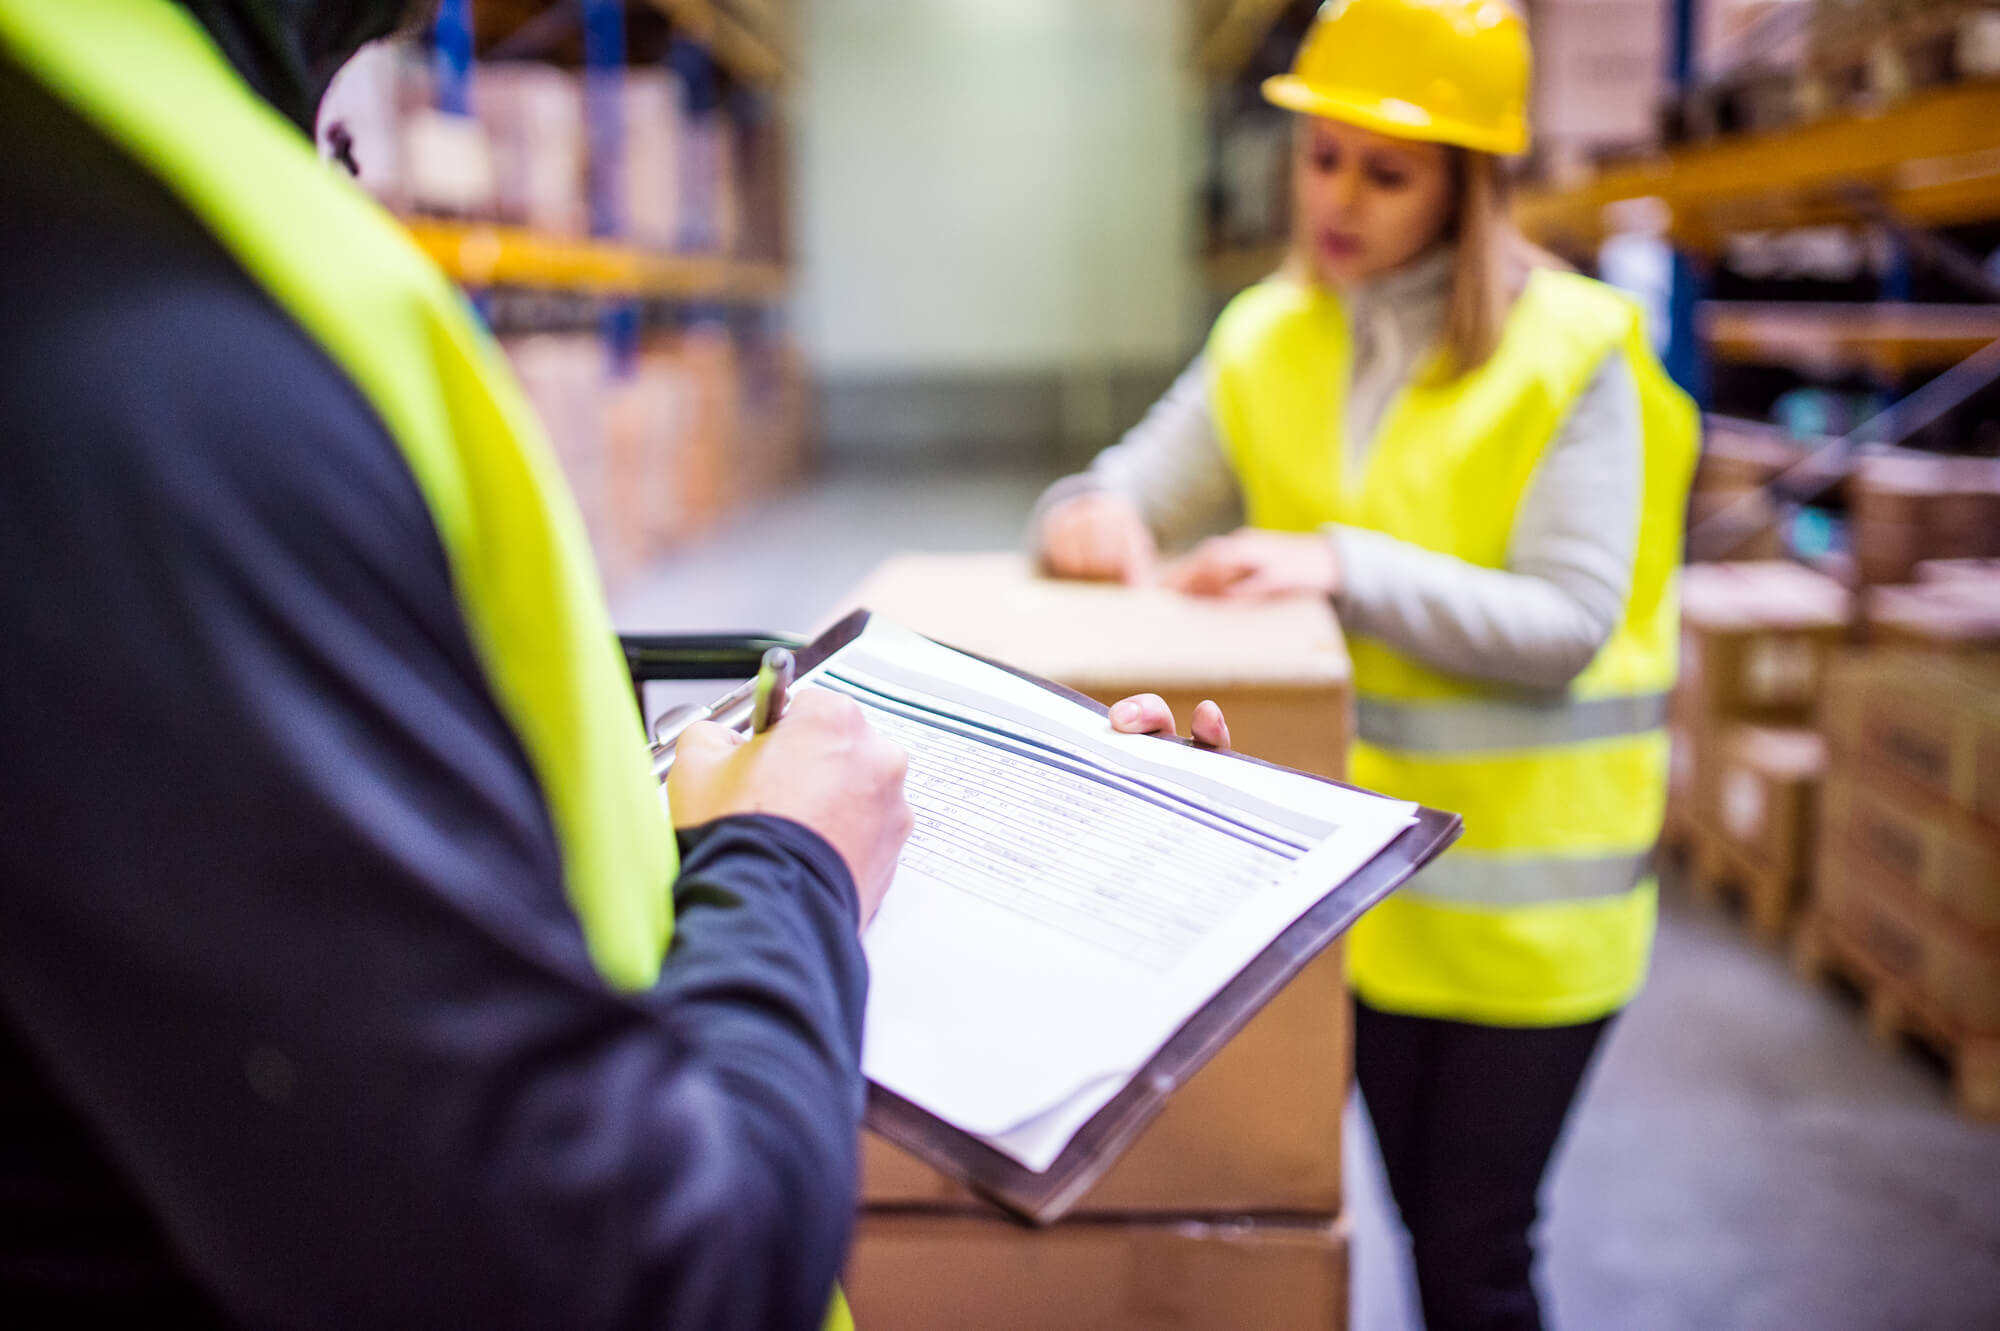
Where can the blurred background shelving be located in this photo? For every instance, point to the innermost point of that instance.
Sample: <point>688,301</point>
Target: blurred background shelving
<point>608,180</point>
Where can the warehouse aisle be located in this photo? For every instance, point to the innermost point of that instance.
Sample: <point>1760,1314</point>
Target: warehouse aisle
<point>1745,1160</point>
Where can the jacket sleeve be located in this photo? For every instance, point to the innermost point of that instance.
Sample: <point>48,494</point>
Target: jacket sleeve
<point>1170,464</point>
<point>281,909</point>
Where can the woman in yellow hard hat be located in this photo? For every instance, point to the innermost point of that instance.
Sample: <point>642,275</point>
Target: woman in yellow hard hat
<point>1477,456</point>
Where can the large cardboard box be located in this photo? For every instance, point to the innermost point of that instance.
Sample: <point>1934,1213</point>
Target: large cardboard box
<point>1763,798</point>
<point>1958,612</point>
<point>1917,846</point>
<point>1952,969</point>
<point>940,1273</point>
<point>1257,1129</point>
<point>1278,668</point>
<point>1755,638</point>
<point>1930,722</point>
<point>1908,509</point>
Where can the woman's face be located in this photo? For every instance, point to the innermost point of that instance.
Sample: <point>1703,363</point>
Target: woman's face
<point>1369,203</point>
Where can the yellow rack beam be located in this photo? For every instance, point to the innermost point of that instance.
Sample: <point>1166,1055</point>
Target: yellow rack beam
<point>753,51</point>
<point>480,255</point>
<point>1934,159</point>
<point>1833,337</point>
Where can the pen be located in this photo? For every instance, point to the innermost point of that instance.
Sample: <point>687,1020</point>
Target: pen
<point>774,688</point>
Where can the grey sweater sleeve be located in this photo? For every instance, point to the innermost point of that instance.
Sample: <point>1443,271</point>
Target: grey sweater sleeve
<point>1539,621</point>
<point>1170,464</point>
<point>1536,623</point>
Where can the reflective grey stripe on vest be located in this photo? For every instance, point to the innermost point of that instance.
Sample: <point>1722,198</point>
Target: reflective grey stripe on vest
<point>1467,878</point>
<point>1468,727</point>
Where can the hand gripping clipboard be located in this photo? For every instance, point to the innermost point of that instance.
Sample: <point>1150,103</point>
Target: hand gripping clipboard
<point>1043,1198</point>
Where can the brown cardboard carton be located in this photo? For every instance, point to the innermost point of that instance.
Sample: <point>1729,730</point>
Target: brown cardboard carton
<point>1278,668</point>
<point>930,1273</point>
<point>1258,1129</point>
<point>1756,637</point>
<point>1956,613</point>
<point>1953,970</point>
<point>1908,509</point>
<point>1764,794</point>
<point>1917,847</point>
<point>1930,722</point>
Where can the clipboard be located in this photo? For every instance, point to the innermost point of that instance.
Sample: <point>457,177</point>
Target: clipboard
<point>1045,1197</point>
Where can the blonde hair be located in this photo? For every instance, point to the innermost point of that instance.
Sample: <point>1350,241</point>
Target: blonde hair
<point>1492,266</point>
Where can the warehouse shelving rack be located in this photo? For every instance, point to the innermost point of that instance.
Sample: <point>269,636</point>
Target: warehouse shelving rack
<point>749,40</point>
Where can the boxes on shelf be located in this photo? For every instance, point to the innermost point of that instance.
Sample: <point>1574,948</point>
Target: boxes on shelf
<point>1954,611</point>
<point>1256,1130</point>
<point>917,1273</point>
<point>1762,799</point>
<point>1916,847</point>
<point>1755,638</point>
<point>564,376</point>
<point>650,161</point>
<point>1906,509</point>
<point>533,117</point>
<point>1930,723</point>
<point>1935,958</point>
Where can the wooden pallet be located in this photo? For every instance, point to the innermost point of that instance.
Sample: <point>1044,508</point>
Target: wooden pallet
<point>1718,870</point>
<point>1895,1011</point>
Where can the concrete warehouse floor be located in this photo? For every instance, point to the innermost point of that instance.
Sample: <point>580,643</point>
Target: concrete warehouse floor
<point>1743,1160</point>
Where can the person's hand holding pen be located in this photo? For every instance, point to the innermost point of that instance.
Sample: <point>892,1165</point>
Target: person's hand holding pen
<point>825,768</point>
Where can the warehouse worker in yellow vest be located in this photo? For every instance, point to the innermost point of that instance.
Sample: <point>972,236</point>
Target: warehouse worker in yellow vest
<point>352,972</point>
<point>1477,456</point>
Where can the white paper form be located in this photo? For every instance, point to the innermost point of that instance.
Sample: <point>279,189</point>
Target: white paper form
<point>1069,896</point>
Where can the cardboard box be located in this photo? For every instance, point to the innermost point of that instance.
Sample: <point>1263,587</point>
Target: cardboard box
<point>1278,668</point>
<point>1914,846</point>
<point>1930,722</point>
<point>1763,797</point>
<point>1257,1129</point>
<point>1959,612</point>
<point>933,1273</point>
<point>1755,638</point>
<point>1954,970</point>
<point>533,116</point>
<point>1906,509</point>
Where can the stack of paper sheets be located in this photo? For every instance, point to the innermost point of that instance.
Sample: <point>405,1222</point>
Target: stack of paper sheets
<point>1070,896</point>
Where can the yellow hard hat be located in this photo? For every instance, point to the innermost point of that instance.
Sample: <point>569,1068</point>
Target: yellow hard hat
<point>1445,71</point>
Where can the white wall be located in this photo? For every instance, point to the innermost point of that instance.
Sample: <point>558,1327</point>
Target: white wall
<point>995,185</point>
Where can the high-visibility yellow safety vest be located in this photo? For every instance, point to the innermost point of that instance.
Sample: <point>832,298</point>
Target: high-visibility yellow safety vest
<point>1543,913</point>
<point>145,74</point>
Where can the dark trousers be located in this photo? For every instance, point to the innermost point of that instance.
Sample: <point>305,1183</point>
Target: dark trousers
<point>1467,1117</point>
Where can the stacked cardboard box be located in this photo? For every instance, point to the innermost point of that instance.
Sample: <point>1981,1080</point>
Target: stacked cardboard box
<point>1909,877</point>
<point>1756,639</point>
<point>1954,607</point>
<point>1227,1211</point>
<point>679,181</point>
<point>533,118</point>
<point>659,450</point>
<point>1910,508</point>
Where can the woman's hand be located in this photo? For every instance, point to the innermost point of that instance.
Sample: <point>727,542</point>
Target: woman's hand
<point>1252,564</point>
<point>1098,536</point>
<point>1148,714</point>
